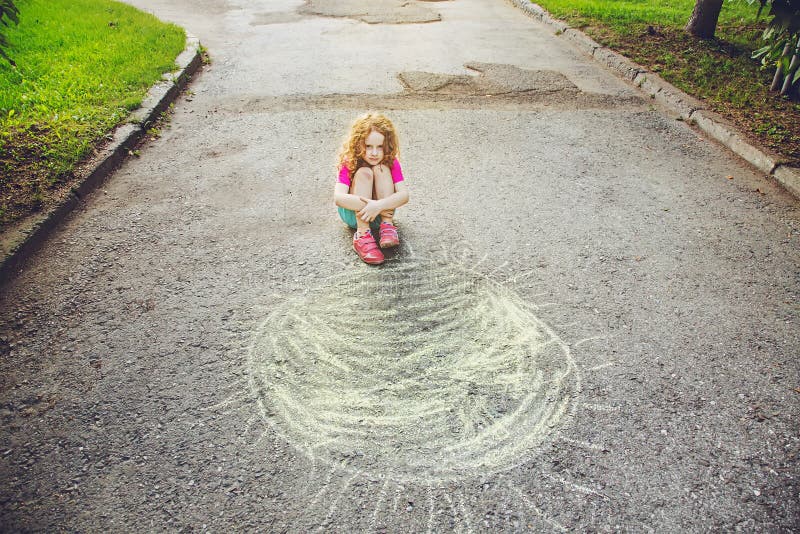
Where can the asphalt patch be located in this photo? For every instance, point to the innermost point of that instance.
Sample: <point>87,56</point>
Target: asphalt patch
<point>384,12</point>
<point>497,86</point>
<point>493,79</point>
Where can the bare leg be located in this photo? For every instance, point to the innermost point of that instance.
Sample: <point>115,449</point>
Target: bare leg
<point>384,187</point>
<point>363,185</point>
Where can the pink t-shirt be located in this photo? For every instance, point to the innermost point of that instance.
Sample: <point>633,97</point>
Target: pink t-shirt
<point>397,174</point>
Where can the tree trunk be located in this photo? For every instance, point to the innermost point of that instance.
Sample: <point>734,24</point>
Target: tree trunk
<point>703,22</point>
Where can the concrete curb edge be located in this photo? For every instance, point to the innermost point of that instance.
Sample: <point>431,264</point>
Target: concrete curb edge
<point>22,240</point>
<point>687,107</point>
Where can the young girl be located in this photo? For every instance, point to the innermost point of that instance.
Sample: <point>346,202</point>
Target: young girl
<point>370,185</point>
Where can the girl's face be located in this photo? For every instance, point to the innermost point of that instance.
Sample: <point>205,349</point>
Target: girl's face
<point>373,148</point>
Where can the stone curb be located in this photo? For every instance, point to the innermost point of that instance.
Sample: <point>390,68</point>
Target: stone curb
<point>690,109</point>
<point>789,177</point>
<point>667,94</point>
<point>20,242</point>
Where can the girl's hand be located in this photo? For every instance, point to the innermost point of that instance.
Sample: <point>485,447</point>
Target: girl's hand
<point>370,211</point>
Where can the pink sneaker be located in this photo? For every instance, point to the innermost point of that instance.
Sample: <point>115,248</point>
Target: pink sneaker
<point>367,249</point>
<point>389,237</point>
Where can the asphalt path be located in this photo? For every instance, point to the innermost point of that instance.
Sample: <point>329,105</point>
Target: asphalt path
<point>591,323</point>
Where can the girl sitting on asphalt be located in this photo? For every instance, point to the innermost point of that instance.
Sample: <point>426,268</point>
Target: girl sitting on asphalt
<point>370,185</point>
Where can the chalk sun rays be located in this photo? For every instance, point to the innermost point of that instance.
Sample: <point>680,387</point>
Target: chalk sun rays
<point>477,386</point>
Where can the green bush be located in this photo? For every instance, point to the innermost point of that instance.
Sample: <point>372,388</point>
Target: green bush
<point>783,43</point>
<point>8,12</point>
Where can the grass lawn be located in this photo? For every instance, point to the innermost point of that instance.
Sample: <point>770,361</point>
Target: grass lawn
<point>721,71</point>
<point>81,67</point>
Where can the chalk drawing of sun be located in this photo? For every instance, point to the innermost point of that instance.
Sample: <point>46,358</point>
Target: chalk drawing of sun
<point>421,370</point>
<point>418,377</point>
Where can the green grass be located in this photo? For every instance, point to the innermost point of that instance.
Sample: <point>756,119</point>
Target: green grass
<point>81,67</point>
<point>627,16</point>
<point>719,70</point>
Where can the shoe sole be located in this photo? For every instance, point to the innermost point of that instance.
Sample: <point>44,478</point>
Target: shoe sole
<point>390,245</point>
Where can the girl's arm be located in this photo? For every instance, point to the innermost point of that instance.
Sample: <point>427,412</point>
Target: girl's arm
<point>343,198</point>
<point>373,208</point>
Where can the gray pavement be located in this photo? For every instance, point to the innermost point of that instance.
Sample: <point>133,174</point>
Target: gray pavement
<point>591,324</point>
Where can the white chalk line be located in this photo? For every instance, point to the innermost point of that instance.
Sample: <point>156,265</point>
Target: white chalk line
<point>464,512</point>
<point>602,366</point>
<point>584,444</point>
<point>248,423</point>
<point>520,276</point>
<point>577,487</point>
<point>311,474</point>
<point>501,266</point>
<point>378,502</point>
<point>235,385</point>
<point>512,512</point>
<point>341,492</point>
<point>546,518</point>
<point>601,407</point>
<point>450,504</point>
<point>396,499</point>
<point>522,515</point>
<point>589,340</point>
<point>233,400</point>
<point>323,489</point>
<point>431,513</point>
<point>276,443</point>
<point>261,438</point>
<point>480,261</point>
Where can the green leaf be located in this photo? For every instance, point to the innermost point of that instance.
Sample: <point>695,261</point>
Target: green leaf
<point>761,51</point>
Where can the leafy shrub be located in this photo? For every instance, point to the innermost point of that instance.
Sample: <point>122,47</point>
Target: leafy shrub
<point>782,50</point>
<point>8,13</point>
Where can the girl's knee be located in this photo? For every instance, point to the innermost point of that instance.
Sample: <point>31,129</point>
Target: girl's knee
<point>384,185</point>
<point>381,171</point>
<point>364,174</point>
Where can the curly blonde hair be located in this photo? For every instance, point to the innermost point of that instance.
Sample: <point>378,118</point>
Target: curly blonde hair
<point>352,153</point>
